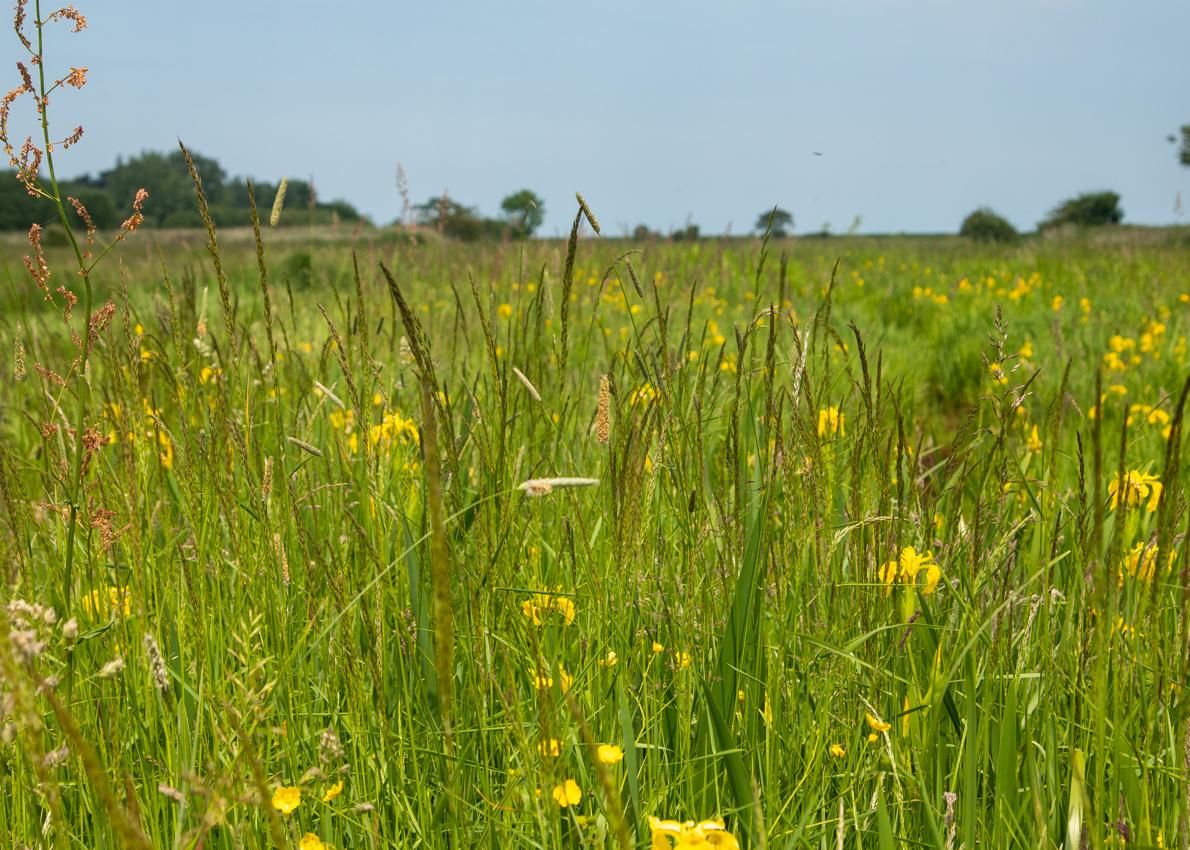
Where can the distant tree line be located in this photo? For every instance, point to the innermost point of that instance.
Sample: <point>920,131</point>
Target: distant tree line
<point>1090,209</point>
<point>108,196</point>
<point>522,213</point>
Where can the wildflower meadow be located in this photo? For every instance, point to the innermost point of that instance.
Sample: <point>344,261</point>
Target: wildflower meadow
<point>380,540</point>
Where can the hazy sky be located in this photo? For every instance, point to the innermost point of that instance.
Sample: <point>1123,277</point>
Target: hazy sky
<point>655,110</point>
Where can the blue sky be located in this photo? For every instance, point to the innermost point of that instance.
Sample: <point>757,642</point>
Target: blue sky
<point>656,111</point>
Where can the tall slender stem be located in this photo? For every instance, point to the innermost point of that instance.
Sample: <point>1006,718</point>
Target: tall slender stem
<point>84,390</point>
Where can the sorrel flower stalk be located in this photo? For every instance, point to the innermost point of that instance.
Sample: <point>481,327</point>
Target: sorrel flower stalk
<point>28,171</point>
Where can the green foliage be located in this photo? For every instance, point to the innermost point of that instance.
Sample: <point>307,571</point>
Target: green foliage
<point>108,196</point>
<point>689,233</point>
<point>18,209</point>
<point>985,225</point>
<point>268,519</point>
<point>1090,209</point>
<point>167,180</point>
<point>781,222</point>
<point>453,219</point>
<point>524,211</point>
<point>297,269</point>
<point>1184,150</point>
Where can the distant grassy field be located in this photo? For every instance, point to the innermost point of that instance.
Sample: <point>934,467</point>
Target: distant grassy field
<point>886,547</point>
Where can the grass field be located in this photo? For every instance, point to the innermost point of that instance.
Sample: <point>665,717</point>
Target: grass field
<point>880,545</point>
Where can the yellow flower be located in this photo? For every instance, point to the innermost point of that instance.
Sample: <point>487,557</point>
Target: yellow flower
<point>541,681</point>
<point>287,798</point>
<point>887,574</point>
<point>310,841</point>
<point>333,792</point>
<point>706,835</point>
<point>908,565</point>
<point>933,576</point>
<point>551,747</point>
<point>610,754</point>
<point>1033,444</point>
<point>658,648</point>
<point>912,562</point>
<point>542,603</point>
<point>504,311</point>
<point>997,371</point>
<point>642,395</point>
<point>610,660</point>
<point>875,723</point>
<point>837,751</point>
<point>1141,562</point>
<point>1027,349</point>
<point>682,660</point>
<point>567,794</point>
<point>831,423</point>
<point>873,737</point>
<point>1057,303</point>
<point>1134,488</point>
<point>531,611</point>
<point>118,602</point>
<point>564,606</point>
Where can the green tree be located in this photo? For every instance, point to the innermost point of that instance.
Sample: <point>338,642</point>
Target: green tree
<point>1184,153</point>
<point>456,220</point>
<point>167,179</point>
<point>781,222</point>
<point>1090,209</point>
<point>18,209</point>
<point>986,225</point>
<point>524,212</point>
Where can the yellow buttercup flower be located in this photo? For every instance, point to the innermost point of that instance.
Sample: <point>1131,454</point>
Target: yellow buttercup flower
<point>837,751</point>
<point>610,754</point>
<point>875,723</point>
<point>333,792</point>
<point>567,794</point>
<point>287,798</point>
<point>310,841</point>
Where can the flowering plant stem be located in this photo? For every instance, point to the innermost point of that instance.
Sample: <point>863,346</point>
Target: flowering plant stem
<point>83,394</point>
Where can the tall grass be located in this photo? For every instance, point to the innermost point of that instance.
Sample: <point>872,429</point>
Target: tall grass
<point>881,544</point>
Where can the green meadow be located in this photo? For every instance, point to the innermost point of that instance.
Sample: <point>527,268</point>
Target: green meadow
<point>876,543</point>
<point>336,536</point>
